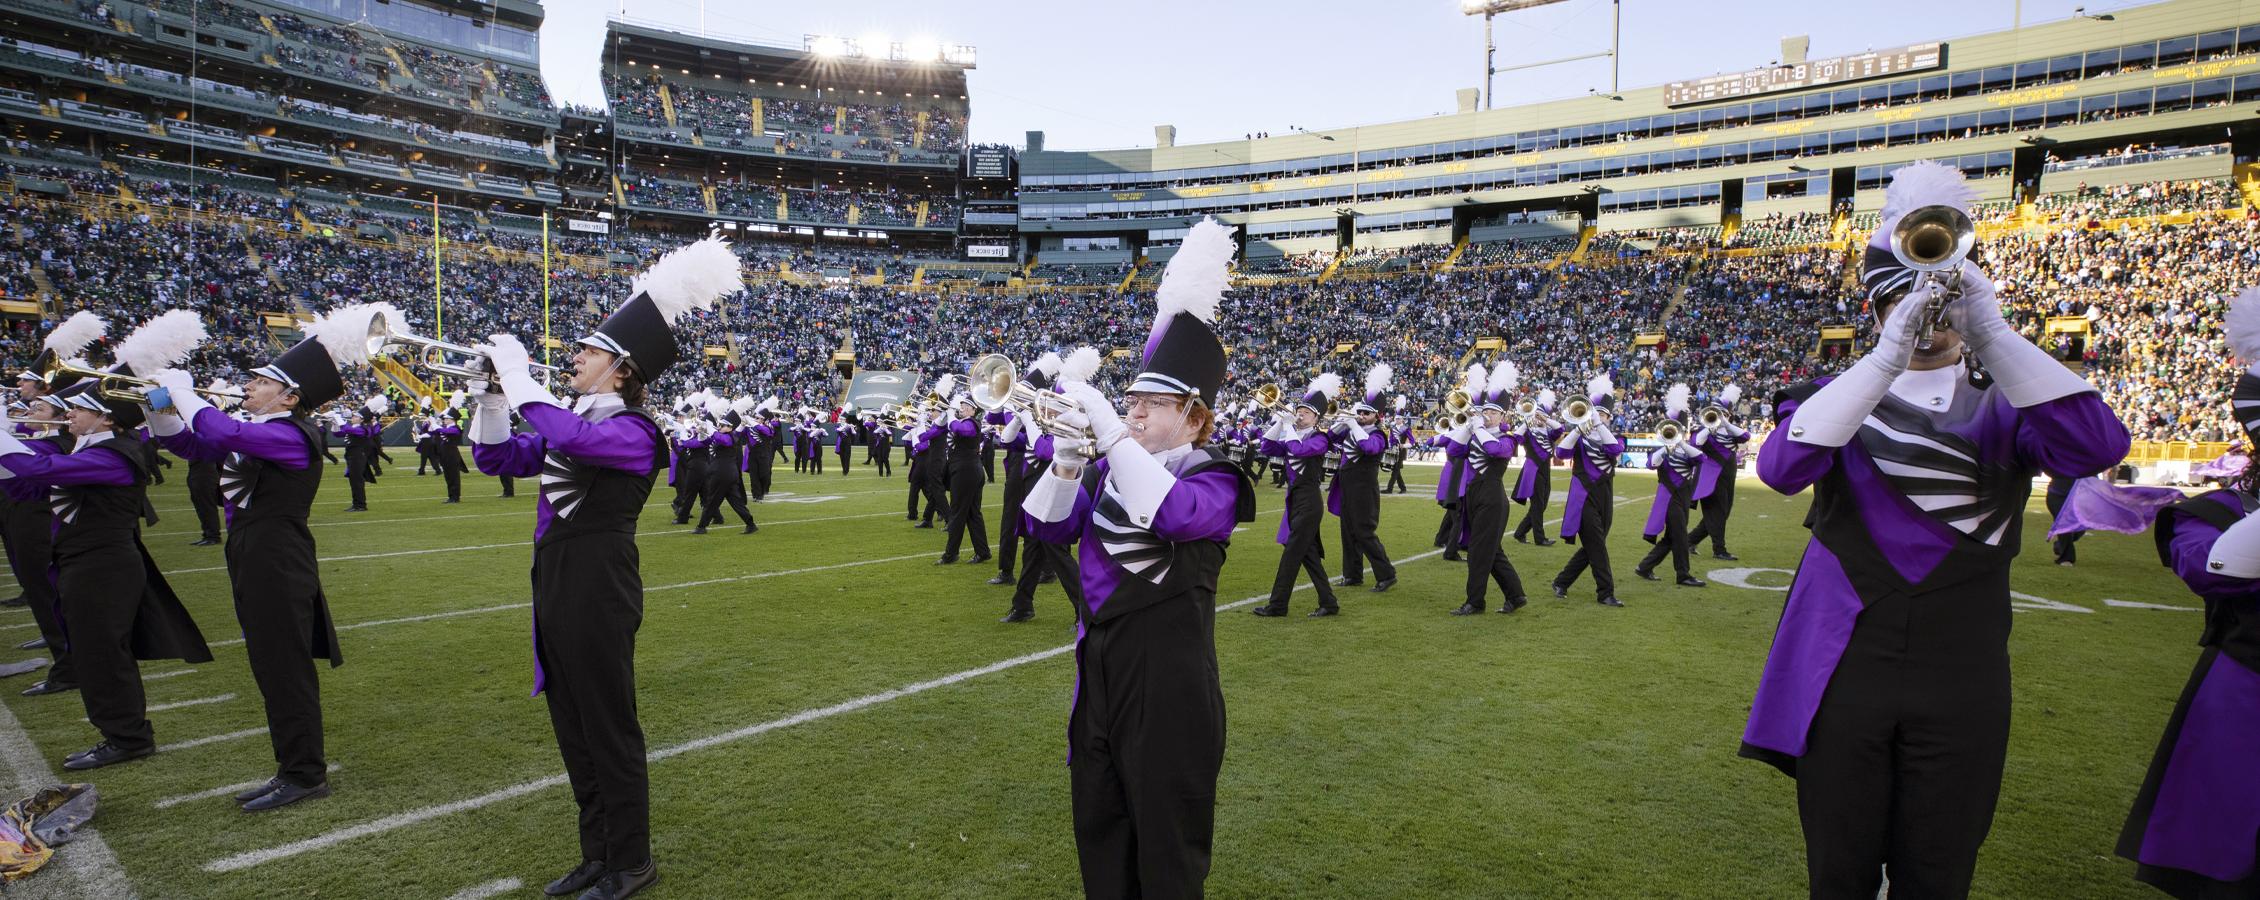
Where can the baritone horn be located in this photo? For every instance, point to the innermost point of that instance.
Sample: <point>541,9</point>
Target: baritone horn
<point>1712,417</point>
<point>1670,433</point>
<point>1933,241</point>
<point>1578,413</point>
<point>994,383</point>
<point>438,356</point>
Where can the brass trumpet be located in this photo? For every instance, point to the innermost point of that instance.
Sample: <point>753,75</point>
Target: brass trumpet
<point>1712,416</point>
<point>438,356</point>
<point>1933,240</point>
<point>1529,413</point>
<point>1578,413</point>
<point>1670,433</point>
<point>110,386</point>
<point>994,383</point>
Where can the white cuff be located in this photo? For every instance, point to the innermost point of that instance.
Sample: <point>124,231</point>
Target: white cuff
<point>165,424</point>
<point>1051,498</point>
<point>1483,435</point>
<point>1011,429</point>
<point>490,425</point>
<point>10,445</point>
<point>1357,432</point>
<point>1602,436</point>
<point>1139,480</point>
<point>186,403</point>
<point>2027,375</point>
<point>1569,439</point>
<point>1832,415</point>
<point>520,388</point>
<point>1732,430</point>
<point>2236,554</point>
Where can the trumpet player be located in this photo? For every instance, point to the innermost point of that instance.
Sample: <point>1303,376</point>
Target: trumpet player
<point>27,522</point>
<point>1451,533</point>
<point>447,447</point>
<point>1722,464</point>
<point>1886,692</point>
<point>363,441</point>
<point>721,484</point>
<point>270,470</point>
<point>689,448</point>
<point>878,444</point>
<point>1048,561</point>
<point>1678,465</point>
<point>1592,449</point>
<point>1355,496</point>
<point>765,445</point>
<point>1153,512</point>
<point>1296,437</point>
<point>929,461</point>
<point>1483,506</point>
<point>1014,433</point>
<point>962,446</point>
<point>1537,434</point>
<point>1400,437</point>
<point>845,437</point>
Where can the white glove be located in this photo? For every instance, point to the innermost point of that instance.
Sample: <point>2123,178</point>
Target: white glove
<point>1461,432</point>
<point>1106,425</point>
<point>1013,427</point>
<point>515,371</point>
<point>180,388</point>
<point>2023,372</point>
<point>1070,453</point>
<point>490,420</point>
<point>2236,553</point>
<point>1832,415</point>
<point>1357,433</point>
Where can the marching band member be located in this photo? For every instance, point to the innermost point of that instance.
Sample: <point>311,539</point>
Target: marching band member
<point>362,441</point>
<point>1014,430</point>
<point>447,447</point>
<point>1451,533</point>
<point>1400,437</point>
<point>800,444</point>
<point>597,460</point>
<point>426,445</point>
<point>722,484</point>
<point>690,457</point>
<point>1677,465</point>
<point>815,446</point>
<point>845,437</point>
<point>1886,694</point>
<point>204,481</point>
<point>1355,496</point>
<point>763,433</point>
<point>1048,561</point>
<point>27,521</point>
<point>1592,450</point>
<point>1483,505</point>
<point>1534,487</point>
<point>270,471</point>
<point>116,607</point>
<point>921,448</point>
<point>878,443</point>
<point>1722,464</point>
<point>2191,831</point>
<point>1295,436</point>
<point>1153,512</point>
<point>962,437</point>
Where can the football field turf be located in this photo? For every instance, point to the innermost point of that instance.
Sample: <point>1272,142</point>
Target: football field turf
<point>832,715</point>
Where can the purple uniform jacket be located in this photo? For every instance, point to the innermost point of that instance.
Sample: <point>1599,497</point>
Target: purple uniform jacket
<point>49,467</point>
<point>1590,461</point>
<point>621,442</point>
<point>1200,508</point>
<point>1538,458</point>
<point>1455,456</point>
<point>1717,451</point>
<point>1375,442</point>
<point>2074,436</point>
<point>212,435</point>
<point>1674,477</point>
<point>924,438</point>
<point>1315,444</point>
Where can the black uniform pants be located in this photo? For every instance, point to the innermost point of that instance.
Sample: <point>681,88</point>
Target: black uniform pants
<point>1534,515</point>
<point>1593,545</point>
<point>847,455</point>
<point>356,477</point>
<point>1448,532</point>
<point>1362,542</point>
<point>1143,787</point>
<point>882,455</point>
<point>1486,560</point>
<point>1009,535</point>
<point>509,486</point>
<point>1716,508</point>
<point>1305,551</point>
<point>590,683</point>
<point>101,594</point>
<point>1396,483</point>
<point>722,487</point>
<point>30,547</point>
<point>277,636</point>
<point>815,458</point>
<point>965,511</point>
<point>800,457</point>
<point>932,488</point>
<point>690,478</point>
<point>1902,766</point>
<point>1674,540</point>
<point>1045,558</point>
<point>451,468</point>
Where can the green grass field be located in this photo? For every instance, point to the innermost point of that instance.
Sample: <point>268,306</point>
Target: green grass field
<point>1395,751</point>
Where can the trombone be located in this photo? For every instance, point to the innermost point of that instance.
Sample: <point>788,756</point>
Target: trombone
<point>438,356</point>
<point>1267,396</point>
<point>993,383</point>
<point>1933,240</point>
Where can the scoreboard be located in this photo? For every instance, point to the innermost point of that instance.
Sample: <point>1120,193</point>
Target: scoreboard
<point>988,162</point>
<point>1810,74</point>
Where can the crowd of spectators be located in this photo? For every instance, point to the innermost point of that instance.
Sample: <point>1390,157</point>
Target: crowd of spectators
<point>724,113</point>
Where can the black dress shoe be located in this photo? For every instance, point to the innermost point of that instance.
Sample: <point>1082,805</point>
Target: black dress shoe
<point>1050,577</point>
<point>923,525</point>
<point>204,542</point>
<point>1270,613</point>
<point>1729,557</point>
<point>17,600</point>
<point>910,518</point>
<point>1690,581</point>
<point>37,643</point>
<point>49,686</point>
<point>999,578</point>
<point>750,528</point>
<point>1561,592</point>
<point>262,790</point>
<point>1519,539</point>
<point>1514,604</point>
<point>1323,612</point>
<point>103,754</point>
<point>977,560</point>
<point>1646,575</point>
<point>1468,609</point>
<point>576,881</point>
<point>699,530</point>
<point>1348,583</point>
<point>1547,542</point>
<point>451,500</point>
<point>1608,601</point>
<point>1384,584</point>
<point>1454,557</point>
<point>682,521</point>
<point>1018,615</point>
<point>286,794</point>
<point>619,885</point>
<point>356,509</point>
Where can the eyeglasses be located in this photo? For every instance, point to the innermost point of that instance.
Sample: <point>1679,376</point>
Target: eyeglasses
<point>1152,402</point>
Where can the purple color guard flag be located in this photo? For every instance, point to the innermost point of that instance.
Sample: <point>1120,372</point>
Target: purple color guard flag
<point>2098,505</point>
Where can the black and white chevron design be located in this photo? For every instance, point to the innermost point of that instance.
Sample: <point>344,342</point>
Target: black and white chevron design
<point>565,483</point>
<point>1937,470</point>
<point>238,475</point>
<point>1133,548</point>
<point>65,502</point>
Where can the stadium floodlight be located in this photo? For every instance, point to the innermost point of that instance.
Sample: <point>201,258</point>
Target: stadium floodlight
<point>1490,8</point>
<point>826,45</point>
<point>872,46</point>
<point>921,49</point>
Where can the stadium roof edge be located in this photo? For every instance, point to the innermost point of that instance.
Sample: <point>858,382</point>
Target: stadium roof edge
<point>760,54</point>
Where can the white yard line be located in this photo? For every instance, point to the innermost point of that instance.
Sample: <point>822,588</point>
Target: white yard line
<point>176,673</point>
<point>212,739</point>
<point>489,889</point>
<point>200,701</point>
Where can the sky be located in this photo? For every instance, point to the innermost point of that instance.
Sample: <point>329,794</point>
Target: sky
<point>1101,76</point>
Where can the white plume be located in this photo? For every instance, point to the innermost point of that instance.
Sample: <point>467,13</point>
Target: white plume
<point>1048,364</point>
<point>162,341</point>
<point>1505,377</point>
<point>344,331</point>
<point>1600,386</point>
<point>224,395</point>
<point>770,403</point>
<point>457,399</point>
<point>743,405</point>
<point>1732,393</point>
<point>1546,397</point>
<point>1675,399</point>
<point>1197,276</point>
<point>1399,405</point>
<point>1080,364</point>
<point>946,387</point>
<point>2243,325</point>
<point>717,406</point>
<point>1472,381</point>
<point>1377,380</point>
<point>378,403</point>
<point>75,334</point>
<point>1327,384</point>
<point>424,401</point>
<point>691,277</point>
<point>1922,184</point>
